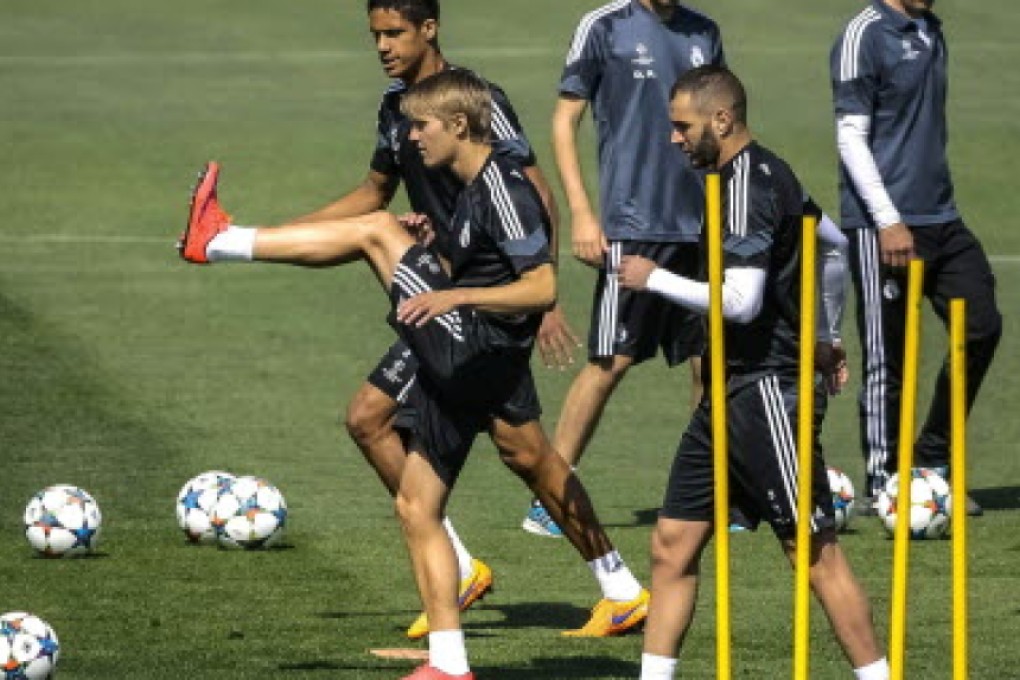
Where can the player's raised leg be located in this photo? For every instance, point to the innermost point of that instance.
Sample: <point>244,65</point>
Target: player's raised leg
<point>209,237</point>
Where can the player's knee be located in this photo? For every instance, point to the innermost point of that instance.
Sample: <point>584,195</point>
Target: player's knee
<point>410,511</point>
<point>523,462</point>
<point>363,422</point>
<point>672,550</point>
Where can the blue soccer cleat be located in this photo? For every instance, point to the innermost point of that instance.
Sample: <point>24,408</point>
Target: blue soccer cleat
<point>539,522</point>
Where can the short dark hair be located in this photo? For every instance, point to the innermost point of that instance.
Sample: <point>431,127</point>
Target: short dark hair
<point>713,87</point>
<point>415,11</point>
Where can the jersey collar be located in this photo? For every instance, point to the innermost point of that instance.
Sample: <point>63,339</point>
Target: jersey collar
<point>726,171</point>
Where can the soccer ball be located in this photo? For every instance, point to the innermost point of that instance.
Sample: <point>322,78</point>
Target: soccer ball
<point>250,513</point>
<point>930,504</point>
<point>195,504</point>
<point>63,521</point>
<point>28,647</point>
<point>842,497</point>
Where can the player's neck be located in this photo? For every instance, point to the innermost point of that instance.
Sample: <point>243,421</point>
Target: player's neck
<point>732,145</point>
<point>663,9</point>
<point>469,160</point>
<point>431,64</point>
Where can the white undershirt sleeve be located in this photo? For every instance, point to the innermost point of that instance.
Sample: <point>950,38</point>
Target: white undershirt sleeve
<point>832,268</point>
<point>852,139</point>
<point>742,295</point>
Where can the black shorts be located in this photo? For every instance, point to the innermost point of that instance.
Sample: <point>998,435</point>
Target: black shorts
<point>395,372</point>
<point>444,424</point>
<point>761,429</point>
<point>637,323</point>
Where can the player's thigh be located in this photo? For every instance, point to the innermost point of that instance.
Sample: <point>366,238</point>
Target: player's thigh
<point>964,271</point>
<point>764,465</point>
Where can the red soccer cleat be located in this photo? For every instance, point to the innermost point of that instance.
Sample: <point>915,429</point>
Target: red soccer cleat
<point>206,218</point>
<point>427,672</point>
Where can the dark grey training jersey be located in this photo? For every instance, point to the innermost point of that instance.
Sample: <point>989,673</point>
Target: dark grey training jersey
<point>434,191</point>
<point>884,67</point>
<point>762,209</point>
<point>624,60</point>
<point>499,230</point>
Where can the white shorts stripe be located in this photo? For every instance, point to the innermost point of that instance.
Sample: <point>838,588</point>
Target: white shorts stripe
<point>610,303</point>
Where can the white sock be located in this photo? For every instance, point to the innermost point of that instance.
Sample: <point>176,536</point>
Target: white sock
<point>447,652</point>
<point>235,244</point>
<point>878,670</point>
<point>614,578</point>
<point>463,556</point>
<point>657,667</point>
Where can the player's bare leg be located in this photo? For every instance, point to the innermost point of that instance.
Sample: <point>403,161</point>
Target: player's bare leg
<point>842,597</point>
<point>526,450</point>
<point>676,557</point>
<point>420,503</point>
<point>585,401</point>
<point>369,421</point>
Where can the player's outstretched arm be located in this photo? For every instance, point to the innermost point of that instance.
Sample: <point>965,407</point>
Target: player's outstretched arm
<point>374,193</point>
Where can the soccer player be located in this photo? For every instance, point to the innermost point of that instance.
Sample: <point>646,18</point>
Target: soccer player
<point>622,61</point>
<point>470,321</point>
<point>406,35</point>
<point>888,71</point>
<point>762,212</point>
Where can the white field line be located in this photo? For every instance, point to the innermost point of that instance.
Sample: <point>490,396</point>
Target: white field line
<point>309,56</point>
<point>89,239</point>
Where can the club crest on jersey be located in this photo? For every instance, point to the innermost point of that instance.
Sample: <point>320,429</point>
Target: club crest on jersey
<point>426,260</point>
<point>642,62</point>
<point>891,290</point>
<point>697,56</point>
<point>909,53</point>
<point>465,235</point>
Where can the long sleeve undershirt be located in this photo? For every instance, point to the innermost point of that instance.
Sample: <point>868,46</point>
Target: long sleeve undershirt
<point>852,133</point>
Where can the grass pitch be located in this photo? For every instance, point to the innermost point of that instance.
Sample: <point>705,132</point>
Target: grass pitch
<point>126,372</point>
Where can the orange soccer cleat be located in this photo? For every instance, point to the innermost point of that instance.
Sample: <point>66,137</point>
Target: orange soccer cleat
<point>206,218</point>
<point>614,618</point>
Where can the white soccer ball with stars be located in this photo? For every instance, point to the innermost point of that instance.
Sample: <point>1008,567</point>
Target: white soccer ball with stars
<point>250,513</point>
<point>63,521</point>
<point>195,504</point>
<point>930,504</point>
<point>842,497</point>
<point>29,648</point>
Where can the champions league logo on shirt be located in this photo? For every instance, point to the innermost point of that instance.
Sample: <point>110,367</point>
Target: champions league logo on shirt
<point>891,290</point>
<point>426,260</point>
<point>642,62</point>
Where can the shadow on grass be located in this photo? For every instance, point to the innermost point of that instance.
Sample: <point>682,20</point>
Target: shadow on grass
<point>642,518</point>
<point>558,668</point>
<point>555,615</point>
<point>998,497</point>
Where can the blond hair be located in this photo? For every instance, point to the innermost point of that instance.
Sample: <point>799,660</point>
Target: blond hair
<point>448,93</point>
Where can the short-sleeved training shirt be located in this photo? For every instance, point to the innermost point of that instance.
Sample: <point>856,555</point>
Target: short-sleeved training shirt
<point>886,67</point>
<point>762,210</point>
<point>500,229</point>
<point>624,59</point>
<point>434,191</point>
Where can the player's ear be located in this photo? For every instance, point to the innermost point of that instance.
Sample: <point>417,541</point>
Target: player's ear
<point>430,29</point>
<point>459,125</point>
<point>722,122</point>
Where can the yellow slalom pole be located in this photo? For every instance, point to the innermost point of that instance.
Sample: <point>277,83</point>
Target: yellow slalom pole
<point>958,450</point>
<point>713,223</point>
<point>805,448</point>
<point>908,408</point>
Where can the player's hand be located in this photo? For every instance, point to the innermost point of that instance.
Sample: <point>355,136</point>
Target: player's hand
<point>634,272</point>
<point>421,309</point>
<point>897,245</point>
<point>419,226</point>
<point>588,240</point>
<point>830,362</point>
<point>556,340</point>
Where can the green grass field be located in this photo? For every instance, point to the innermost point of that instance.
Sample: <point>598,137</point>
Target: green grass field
<point>126,372</point>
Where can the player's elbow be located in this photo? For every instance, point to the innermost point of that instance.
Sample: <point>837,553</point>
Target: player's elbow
<point>741,309</point>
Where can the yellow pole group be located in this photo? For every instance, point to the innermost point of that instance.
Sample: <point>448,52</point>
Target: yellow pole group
<point>713,223</point>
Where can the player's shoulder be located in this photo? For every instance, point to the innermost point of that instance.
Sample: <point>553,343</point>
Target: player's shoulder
<point>504,178</point>
<point>606,14</point>
<point>773,176</point>
<point>394,90</point>
<point>861,26</point>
